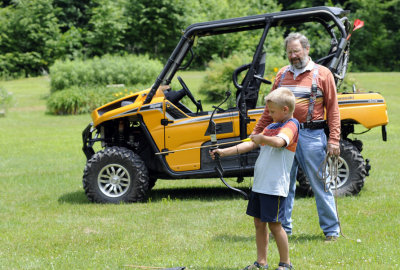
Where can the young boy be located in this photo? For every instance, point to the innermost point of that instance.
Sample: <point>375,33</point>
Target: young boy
<point>277,145</point>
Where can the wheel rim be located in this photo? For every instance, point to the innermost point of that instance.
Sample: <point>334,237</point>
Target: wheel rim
<point>114,180</point>
<point>343,174</point>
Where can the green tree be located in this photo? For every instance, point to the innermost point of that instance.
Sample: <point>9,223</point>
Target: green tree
<point>375,46</point>
<point>5,3</point>
<point>74,17</point>
<point>225,45</point>
<point>106,28</point>
<point>154,26</point>
<point>295,4</point>
<point>73,13</point>
<point>29,36</point>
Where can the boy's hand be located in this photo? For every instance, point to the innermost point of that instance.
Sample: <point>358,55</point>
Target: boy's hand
<point>216,151</point>
<point>257,138</point>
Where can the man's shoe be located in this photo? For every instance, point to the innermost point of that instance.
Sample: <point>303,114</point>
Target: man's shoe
<point>330,238</point>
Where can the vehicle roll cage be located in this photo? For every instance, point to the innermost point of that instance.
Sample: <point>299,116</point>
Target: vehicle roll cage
<point>323,15</point>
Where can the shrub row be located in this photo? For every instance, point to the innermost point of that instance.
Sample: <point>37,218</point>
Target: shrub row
<point>128,70</point>
<point>76,100</point>
<point>80,86</point>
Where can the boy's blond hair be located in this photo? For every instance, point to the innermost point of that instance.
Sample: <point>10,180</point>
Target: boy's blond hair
<point>282,96</point>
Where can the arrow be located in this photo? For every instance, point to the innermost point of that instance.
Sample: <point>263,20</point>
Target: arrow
<point>200,147</point>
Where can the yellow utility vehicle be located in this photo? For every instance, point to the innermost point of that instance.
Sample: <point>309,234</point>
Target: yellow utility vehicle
<point>153,135</point>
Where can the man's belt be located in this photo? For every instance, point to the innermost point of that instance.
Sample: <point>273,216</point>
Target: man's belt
<point>318,124</point>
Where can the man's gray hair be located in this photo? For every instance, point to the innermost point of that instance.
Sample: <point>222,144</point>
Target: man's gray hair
<point>302,38</point>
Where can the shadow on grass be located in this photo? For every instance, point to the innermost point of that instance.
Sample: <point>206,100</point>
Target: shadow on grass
<point>300,238</point>
<point>190,193</point>
<point>179,193</point>
<point>176,268</point>
<point>197,193</point>
<point>201,193</point>
<point>217,268</point>
<point>76,197</point>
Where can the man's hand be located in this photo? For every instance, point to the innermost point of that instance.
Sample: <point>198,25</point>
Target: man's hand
<point>333,149</point>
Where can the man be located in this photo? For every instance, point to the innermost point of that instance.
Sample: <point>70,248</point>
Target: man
<point>315,91</point>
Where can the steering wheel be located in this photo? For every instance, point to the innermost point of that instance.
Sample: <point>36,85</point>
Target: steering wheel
<point>190,95</point>
<point>240,70</point>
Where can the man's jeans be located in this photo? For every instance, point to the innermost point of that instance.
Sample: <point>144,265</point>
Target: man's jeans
<point>310,153</point>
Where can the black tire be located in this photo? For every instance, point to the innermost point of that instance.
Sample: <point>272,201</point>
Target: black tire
<point>304,187</point>
<point>352,172</point>
<point>115,175</point>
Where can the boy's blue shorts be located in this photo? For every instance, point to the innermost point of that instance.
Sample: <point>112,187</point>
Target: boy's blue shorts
<point>268,208</point>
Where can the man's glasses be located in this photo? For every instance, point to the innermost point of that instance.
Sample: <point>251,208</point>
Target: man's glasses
<point>296,52</point>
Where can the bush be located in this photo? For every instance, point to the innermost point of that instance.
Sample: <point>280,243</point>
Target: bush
<point>347,84</point>
<point>5,101</point>
<point>218,77</point>
<point>128,70</point>
<point>78,100</point>
<point>15,64</point>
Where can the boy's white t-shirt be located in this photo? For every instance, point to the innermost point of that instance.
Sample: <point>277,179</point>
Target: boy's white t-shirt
<point>273,165</point>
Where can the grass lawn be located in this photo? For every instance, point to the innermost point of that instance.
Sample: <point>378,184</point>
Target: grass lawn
<point>46,222</point>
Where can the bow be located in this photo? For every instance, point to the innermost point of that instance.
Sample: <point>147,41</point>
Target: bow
<point>212,127</point>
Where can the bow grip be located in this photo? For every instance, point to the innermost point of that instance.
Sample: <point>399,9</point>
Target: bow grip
<point>218,168</point>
